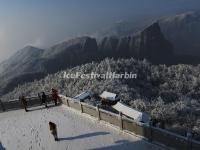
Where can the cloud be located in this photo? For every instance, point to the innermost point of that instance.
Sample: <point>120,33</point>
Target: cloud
<point>2,35</point>
<point>3,44</point>
<point>39,42</point>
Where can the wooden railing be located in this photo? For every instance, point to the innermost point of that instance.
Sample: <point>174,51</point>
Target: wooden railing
<point>152,134</point>
<point>16,103</point>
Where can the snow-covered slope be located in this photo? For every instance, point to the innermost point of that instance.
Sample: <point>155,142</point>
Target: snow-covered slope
<point>183,31</point>
<point>29,131</point>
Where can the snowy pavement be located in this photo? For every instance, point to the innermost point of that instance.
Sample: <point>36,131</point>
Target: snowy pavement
<point>30,131</point>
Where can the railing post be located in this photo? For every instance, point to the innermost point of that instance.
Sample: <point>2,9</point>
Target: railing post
<point>150,128</point>
<point>81,107</point>
<point>98,112</point>
<point>67,102</point>
<point>189,140</point>
<point>120,121</point>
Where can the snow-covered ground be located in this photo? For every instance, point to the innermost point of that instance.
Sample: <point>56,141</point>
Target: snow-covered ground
<point>30,131</point>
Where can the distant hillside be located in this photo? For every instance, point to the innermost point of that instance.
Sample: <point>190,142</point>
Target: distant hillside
<point>70,53</point>
<point>21,64</point>
<point>169,94</point>
<point>149,44</point>
<point>22,61</point>
<point>183,31</point>
<point>32,63</point>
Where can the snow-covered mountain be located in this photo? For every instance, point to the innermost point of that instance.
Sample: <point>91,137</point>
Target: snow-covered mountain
<point>32,63</point>
<point>149,44</point>
<point>70,53</point>
<point>19,68</point>
<point>22,61</point>
<point>183,31</point>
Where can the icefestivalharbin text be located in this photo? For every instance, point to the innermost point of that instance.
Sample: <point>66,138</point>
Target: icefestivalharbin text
<point>93,75</point>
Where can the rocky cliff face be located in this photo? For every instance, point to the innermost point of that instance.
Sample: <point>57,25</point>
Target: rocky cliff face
<point>152,45</point>
<point>149,44</point>
<point>183,31</point>
<point>70,53</point>
<point>80,44</point>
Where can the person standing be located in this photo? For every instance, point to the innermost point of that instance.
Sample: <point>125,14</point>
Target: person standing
<point>55,96</point>
<point>2,105</point>
<point>40,98</point>
<point>24,102</point>
<point>53,130</point>
<point>44,99</point>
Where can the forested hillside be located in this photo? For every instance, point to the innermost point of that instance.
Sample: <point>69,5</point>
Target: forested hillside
<point>169,94</point>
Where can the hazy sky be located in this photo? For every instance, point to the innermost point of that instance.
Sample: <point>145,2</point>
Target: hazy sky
<point>43,23</point>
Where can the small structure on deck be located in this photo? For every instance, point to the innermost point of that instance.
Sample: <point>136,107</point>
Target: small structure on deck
<point>84,95</point>
<point>108,98</point>
<point>132,113</point>
<point>110,101</point>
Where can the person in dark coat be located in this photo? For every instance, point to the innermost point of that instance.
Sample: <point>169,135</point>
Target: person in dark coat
<point>39,96</point>
<point>53,130</point>
<point>44,99</point>
<point>55,96</point>
<point>24,102</point>
<point>2,105</point>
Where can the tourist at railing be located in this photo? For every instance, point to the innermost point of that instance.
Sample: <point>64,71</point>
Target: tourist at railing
<point>55,96</point>
<point>2,105</point>
<point>43,98</point>
<point>24,102</point>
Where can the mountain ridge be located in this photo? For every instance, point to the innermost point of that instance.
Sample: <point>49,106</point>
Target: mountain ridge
<point>183,31</point>
<point>149,44</point>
